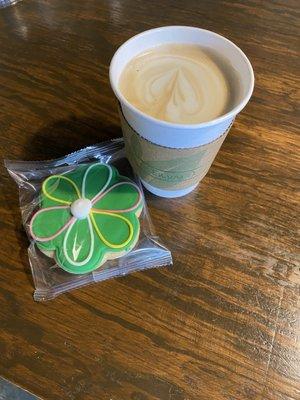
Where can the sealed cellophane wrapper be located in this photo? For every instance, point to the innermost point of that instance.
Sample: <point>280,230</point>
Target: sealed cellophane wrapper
<point>86,218</point>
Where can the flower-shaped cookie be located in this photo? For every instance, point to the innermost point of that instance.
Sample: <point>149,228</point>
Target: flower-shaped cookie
<point>87,216</point>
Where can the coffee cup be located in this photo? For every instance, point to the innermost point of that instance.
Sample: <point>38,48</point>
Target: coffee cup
<point>172,158</point>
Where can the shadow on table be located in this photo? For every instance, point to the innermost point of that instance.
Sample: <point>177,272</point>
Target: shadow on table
<point>65,136</point>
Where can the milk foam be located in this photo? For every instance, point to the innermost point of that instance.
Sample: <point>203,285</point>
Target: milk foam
<point>176,83</point>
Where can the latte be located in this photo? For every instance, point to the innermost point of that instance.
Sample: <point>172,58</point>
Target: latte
<point>178,83</point>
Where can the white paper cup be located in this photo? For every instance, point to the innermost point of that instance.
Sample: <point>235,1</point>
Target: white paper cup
<point>170,158</point>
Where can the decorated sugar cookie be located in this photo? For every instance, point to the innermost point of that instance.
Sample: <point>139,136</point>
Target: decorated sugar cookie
<point>87,216</point>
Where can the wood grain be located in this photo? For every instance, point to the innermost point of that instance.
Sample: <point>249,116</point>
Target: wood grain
<point>223,322</point>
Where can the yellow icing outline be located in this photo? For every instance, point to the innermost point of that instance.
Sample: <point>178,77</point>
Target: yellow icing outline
<point>55,198</point>
<point>105,241</point>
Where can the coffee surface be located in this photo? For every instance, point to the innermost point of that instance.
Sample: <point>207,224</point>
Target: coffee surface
<point>178,83</point>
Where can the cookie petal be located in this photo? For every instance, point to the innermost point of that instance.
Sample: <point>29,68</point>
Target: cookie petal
<point>60,189</point>
<point>48,223</point>
<point>121,197</point>
<point>114,230</point>
<point>78,245</point>
<point>96,179</point>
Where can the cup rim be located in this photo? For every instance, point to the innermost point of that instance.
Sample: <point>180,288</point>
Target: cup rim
<point>224,117</point>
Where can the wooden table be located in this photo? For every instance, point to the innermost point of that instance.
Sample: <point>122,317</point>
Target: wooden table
<point>223,323</point>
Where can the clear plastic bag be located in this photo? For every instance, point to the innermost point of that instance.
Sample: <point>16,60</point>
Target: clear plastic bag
<point>50,279</point>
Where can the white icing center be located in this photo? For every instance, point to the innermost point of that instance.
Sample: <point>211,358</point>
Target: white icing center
<point>80,208</point>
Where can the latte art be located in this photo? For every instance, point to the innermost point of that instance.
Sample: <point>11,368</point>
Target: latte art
<point>176,83</point>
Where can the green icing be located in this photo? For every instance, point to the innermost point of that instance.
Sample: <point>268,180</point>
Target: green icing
<point>82,242</point>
